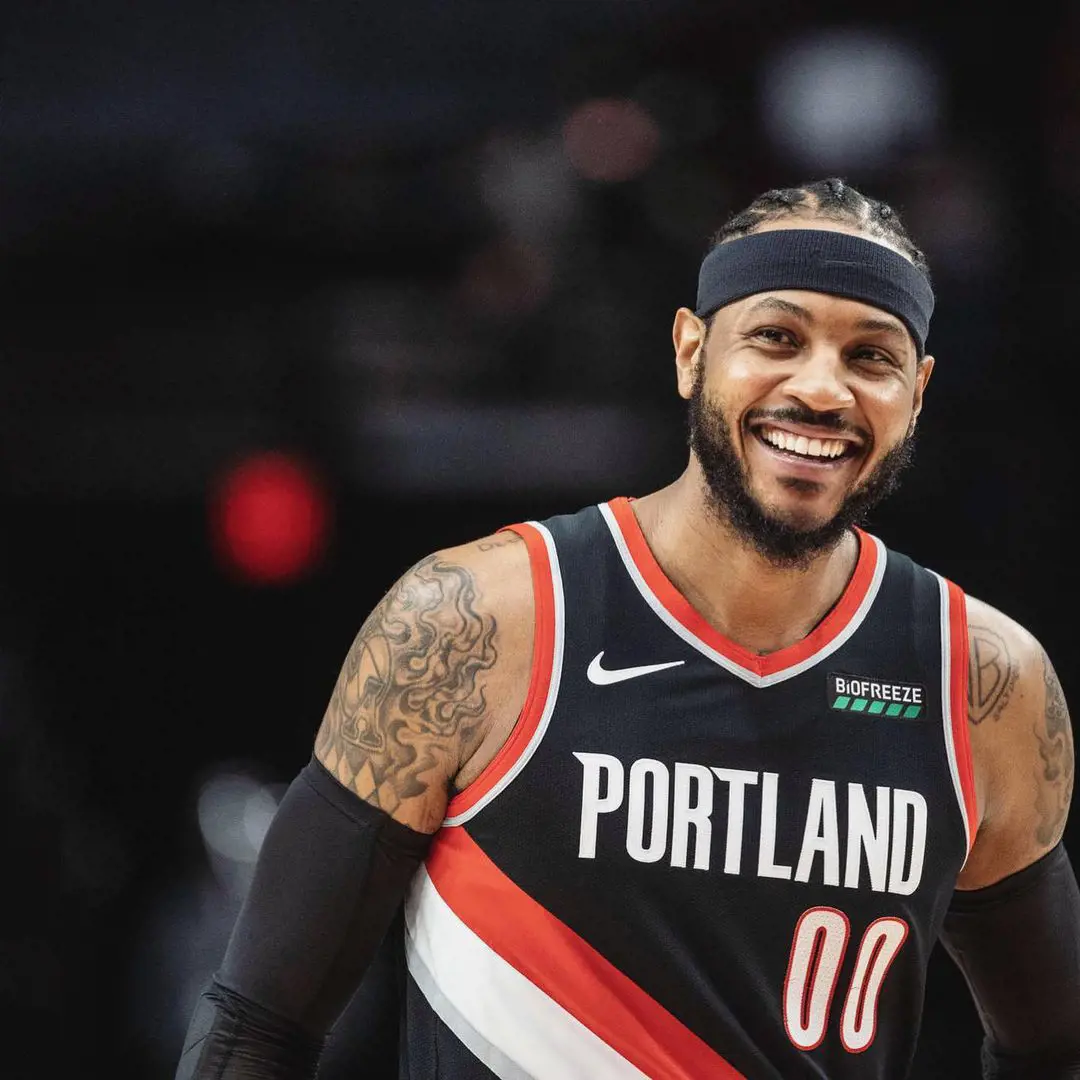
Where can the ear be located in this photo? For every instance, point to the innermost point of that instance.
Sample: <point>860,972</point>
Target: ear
<point>688,335</point>
<point>923,370</point>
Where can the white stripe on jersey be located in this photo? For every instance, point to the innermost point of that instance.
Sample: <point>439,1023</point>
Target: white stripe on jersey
<point>507,1021</point>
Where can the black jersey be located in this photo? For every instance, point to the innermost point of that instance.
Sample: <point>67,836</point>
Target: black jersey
<point>690,860</point>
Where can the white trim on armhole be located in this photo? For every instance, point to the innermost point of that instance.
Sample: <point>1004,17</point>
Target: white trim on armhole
<point>946,708</point>
<point>559,616</point>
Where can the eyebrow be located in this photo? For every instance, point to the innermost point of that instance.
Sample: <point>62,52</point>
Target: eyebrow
<point>774,303</point>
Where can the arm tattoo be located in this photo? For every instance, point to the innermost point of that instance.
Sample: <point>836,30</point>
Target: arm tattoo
<point>502,539</point>
<point>408,695</point>
<point>1054,792</point>
<point>992,674</point>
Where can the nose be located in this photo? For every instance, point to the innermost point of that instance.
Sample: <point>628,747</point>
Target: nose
<point>820,380</point>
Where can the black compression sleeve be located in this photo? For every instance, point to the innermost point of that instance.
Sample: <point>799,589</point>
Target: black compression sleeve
<point>1017,943</point>
<point>330,875</point>
<point>231,1038</point>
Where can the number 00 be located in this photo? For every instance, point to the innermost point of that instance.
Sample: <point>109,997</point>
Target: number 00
<point>817,952</point>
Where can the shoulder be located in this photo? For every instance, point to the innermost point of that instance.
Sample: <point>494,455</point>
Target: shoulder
<point>475,598</point>
<point>487,579</point>
<point>1004,658</point>
<point>1021,742</point>
<point>492,570</point>
<point>440,663</point>
<point>493,589</point>
<point>497,563</point>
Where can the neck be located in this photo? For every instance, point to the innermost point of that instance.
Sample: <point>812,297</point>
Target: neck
<point>750,600</point>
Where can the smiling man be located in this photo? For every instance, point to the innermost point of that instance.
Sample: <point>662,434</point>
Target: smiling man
<point>688,785</point>
<point>804,469</point>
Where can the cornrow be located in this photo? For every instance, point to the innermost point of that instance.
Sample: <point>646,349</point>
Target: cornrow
<point>832,199</point>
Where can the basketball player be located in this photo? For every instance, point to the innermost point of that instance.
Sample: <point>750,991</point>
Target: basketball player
<point>687,785</point>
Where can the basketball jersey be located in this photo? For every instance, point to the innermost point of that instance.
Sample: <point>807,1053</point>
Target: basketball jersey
<point>690,860</point>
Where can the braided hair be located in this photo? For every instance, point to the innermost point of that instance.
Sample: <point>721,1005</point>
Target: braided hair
<point>832,199</point>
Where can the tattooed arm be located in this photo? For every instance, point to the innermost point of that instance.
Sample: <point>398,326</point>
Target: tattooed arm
<point>1022,747</point>
<point>1013,926</point>
<point>434,680</point>
<point>429,690</point>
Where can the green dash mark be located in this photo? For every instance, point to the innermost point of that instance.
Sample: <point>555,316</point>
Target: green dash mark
<point>876,708</point>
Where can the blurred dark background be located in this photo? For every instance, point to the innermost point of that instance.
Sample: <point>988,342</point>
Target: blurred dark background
<point>294,294</point>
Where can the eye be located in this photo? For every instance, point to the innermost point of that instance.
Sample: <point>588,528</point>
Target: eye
<point>774,335</point>
<point>872,357</point>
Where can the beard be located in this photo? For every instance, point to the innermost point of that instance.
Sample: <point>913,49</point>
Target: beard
<point>781,542</point>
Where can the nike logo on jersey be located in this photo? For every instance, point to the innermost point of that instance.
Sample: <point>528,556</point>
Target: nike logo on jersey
<point>603,676</point>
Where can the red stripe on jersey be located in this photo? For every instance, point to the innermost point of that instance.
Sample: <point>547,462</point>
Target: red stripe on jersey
<point>681,608</point>
<point>539,680</point>
<point>565,967</point>
<point>958,702</point>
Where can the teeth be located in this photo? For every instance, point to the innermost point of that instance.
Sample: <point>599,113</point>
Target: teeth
<point>800,444</point>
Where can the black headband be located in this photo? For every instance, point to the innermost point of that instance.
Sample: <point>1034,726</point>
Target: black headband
<point>821,260</point>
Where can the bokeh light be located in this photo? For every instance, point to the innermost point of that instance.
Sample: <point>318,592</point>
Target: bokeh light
<point>849,97</point>
<point>610,139</point>
<point>234,811</point>
<point>269,518</point>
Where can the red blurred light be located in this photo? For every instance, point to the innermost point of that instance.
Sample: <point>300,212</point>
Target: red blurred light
<point>610,139</point>
<point>270,518</point>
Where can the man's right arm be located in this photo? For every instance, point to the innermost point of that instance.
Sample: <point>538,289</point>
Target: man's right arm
<point>410,705</point>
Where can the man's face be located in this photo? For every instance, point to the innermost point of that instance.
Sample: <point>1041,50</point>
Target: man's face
<point>802,410</point>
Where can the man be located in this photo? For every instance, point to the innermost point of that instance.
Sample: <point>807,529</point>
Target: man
<point>684,785</point>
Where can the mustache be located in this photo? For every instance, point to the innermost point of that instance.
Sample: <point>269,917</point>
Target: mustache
<point>793,414</point>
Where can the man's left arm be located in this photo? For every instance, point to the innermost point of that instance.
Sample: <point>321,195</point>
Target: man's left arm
<point>1013,927</point>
